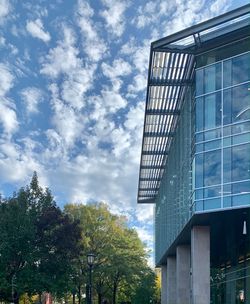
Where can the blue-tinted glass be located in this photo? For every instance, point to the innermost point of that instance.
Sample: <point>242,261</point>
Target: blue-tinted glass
<point>236,70</point>
<point>212,111</point>
<point>199,148</point>
<point>199,170</point>
<point>212,192</point>
<point>214,144</point>
<point>199,137</point>
<point>227,165</point>
<point>241,103</point>
<point>227,141</point>
<point>199,82</point>
<point>227,201</point>
<point>213,134</point>
<point>241,68</point>
<point>199,114</point>
<point>241,127</point>
<point>212,78</point>
<point>199,206</point>
<point>199,194</point>
<point>214,203</point>
<point>241,162</point>
<point>243,199</point>
<point>227,189</point>
<point>227,107</point>
<point>239,139</point>
<point>227,73</point>
<point>227,131</point>
<point>242,187</point>
<point>212,168</point>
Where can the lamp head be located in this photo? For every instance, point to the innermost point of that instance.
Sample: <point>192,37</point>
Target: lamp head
<point>90,259</point>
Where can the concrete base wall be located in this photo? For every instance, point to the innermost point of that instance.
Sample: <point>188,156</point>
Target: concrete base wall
<point>164,284</point>
<point>171,280</point>
<point>200,264</point>
<point>183,274</point>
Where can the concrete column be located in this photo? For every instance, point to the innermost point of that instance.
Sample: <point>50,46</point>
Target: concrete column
<point>164,284</point>
<point>183,274</point>
<point>200,264</point>
<point>171,280</point>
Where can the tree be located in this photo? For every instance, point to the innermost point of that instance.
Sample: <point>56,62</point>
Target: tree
<point>38,243</point>
<point>121,256</point>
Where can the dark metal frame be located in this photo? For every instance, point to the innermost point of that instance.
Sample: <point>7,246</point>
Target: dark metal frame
<point>171,72</point>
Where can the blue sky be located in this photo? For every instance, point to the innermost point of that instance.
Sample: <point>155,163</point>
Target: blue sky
<point>72,92</point>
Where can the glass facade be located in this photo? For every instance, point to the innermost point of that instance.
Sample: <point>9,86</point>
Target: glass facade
<point>172,209</point>
<point>221,162</point>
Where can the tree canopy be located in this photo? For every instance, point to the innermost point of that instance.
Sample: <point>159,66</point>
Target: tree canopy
<point>44,249</point>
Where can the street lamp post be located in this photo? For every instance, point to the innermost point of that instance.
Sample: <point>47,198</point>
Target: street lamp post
<point>90,261</point>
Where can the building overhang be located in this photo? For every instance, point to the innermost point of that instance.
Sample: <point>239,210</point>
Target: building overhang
<point>170,74</point>
<point>233,217</point>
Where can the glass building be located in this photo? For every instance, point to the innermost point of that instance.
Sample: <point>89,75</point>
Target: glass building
<point>195,160</point>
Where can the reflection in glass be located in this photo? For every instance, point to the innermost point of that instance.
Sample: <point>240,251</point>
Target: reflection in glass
<point>212,168</point>
<point>241,162</point>
<point>236,104</point>
<point>212,78</point>
<point>236,70</point>
<point>212,106</point>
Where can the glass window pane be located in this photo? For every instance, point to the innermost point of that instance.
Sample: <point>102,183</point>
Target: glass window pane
<point>236,105</point>
<point>241,68</point>
<point>212,107</point>
<point>198,170</point>
<point>214,203</point>
<point>199,82</point>
<point>242,187</point>
<point>243,199</point>
<point>199,114</point>
<point>199,206</point>
<point>212,192</point>
<point>241,162</point>
<point>227,163</point>
<point>227,201</point>
<point>212,168</point>
<point>212,78</point>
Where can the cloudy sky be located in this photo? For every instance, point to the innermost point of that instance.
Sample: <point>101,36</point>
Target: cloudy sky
<point>72,93</point>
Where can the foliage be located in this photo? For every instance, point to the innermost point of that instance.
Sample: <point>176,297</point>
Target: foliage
<point>44,249</point>
<point>121,259</point>
<point>37,245</point>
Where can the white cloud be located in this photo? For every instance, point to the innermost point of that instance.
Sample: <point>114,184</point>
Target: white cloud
<point>35,28</point>
<point>139,84</point>
<point>63,58</point>
<point>93,44</point>
<point>8,117</point>
<point>69,122</point>
<point>119,68</point>
<point>114,16</point>
<point>5,8</point>
<point>32,97</point>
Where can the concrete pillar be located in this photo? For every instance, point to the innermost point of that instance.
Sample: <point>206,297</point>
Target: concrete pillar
<point>164,284</point>
<point>183,274</point>
<point>171,280</point>
<point>200,264</point>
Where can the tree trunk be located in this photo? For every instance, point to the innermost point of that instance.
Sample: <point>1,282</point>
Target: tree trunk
<point>16,298</point>
<point>114,292</point>
<point>79,294</point>
<point>99,298</point>
<point>74,298</point>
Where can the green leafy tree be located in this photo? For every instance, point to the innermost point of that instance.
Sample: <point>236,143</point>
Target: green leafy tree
<point>121,256</point>
<point>38,243</point>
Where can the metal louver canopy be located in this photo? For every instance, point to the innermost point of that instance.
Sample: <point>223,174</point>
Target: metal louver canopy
<point>171,71</point>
